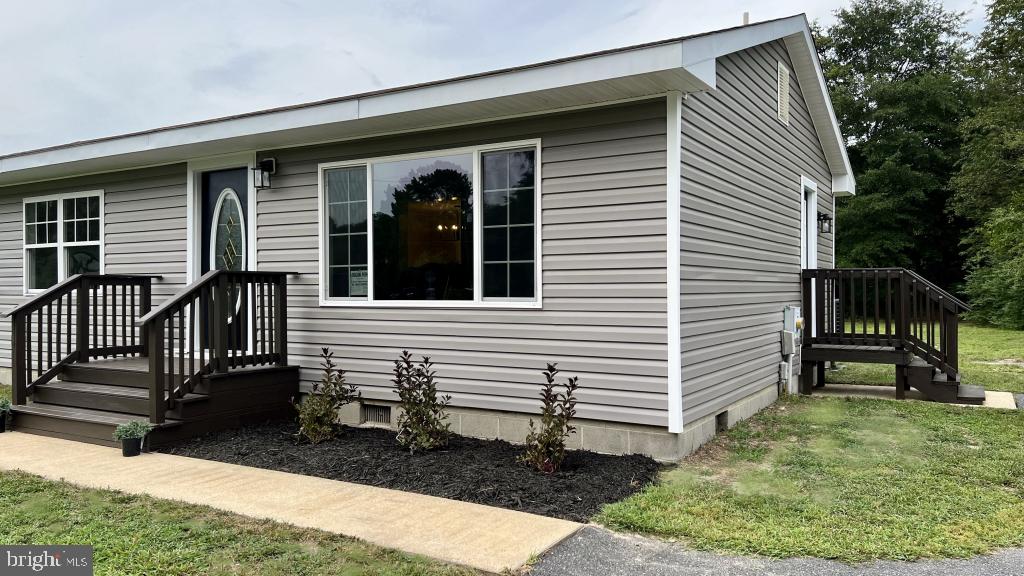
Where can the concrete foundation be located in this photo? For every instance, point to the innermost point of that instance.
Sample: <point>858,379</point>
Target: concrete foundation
<point>595,435</point>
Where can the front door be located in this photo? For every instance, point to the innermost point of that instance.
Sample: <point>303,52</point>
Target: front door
<point>224,205</point>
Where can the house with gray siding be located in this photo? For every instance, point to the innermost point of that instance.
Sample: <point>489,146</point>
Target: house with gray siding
<point>641,216</point>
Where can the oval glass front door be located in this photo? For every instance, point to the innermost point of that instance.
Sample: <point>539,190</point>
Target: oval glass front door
<point>227,248</point>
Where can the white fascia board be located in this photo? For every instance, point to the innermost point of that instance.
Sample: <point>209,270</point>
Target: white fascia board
<point>187,135</point>
<point>608,66</point>
<point>701,53</point>
<point>570,73</point>
<point>812,84</point>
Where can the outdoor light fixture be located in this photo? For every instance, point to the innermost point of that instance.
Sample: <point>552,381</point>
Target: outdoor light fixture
<point>825,223</point>
<point>262,172</point>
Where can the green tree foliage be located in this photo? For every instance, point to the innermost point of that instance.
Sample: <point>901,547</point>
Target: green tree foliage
<point>896,70</point>
<point>990,183</point>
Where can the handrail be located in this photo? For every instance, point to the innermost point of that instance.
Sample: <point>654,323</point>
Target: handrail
<point>178,298</point>
<point>817,272</point>
<point>183,294</point>
<point>941,292</point>
<point>45,295</point>
<point>223,320</point>
<point>66,282</point>
<point>85,316</point>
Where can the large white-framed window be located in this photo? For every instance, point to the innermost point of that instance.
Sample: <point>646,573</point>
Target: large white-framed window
<point>62,236</point>
<point>448,228</point>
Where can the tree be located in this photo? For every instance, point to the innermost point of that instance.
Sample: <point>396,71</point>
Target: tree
<point>990,184</point>
<point>896,70</point>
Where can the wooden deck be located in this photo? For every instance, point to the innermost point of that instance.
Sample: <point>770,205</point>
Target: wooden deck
<point>884,316</point>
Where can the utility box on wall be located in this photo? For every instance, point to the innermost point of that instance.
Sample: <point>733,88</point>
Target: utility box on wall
<point>792,336</point>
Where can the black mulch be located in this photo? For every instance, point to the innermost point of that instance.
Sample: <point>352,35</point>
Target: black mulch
<point>472,470</point>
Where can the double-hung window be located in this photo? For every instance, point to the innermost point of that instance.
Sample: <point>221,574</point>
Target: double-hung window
<point>63,237</point>
<point>449,228</point>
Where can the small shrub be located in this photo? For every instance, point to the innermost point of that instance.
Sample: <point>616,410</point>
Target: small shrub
<point>316,418</point>
<point>422,423</point>
<point>318,412</point>
<point>5,405</point>
<point>133,429</point>
<point>545,446</point>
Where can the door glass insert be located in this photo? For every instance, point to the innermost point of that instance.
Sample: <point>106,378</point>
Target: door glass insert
<point>227,251</point>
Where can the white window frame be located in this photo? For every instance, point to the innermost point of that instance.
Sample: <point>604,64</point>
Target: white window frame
<point>478,300</point>
<point>61,244</point>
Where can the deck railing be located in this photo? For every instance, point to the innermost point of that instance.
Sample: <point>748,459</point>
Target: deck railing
<point>84,317</point>
<point>890,307</point>
<point>225,320</point>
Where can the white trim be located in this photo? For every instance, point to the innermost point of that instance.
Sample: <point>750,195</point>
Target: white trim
<point>193,187</point>
<point>60,245</point>
<point>674,128</point>
<point>808,258</point>
<point>367,136</point>
<point>478,301</point>
<point>811,80</point>
<point>683,64</point>
<point>834,265</point>
<point>809,230</point>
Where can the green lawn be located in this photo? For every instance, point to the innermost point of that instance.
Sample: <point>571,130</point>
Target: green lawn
<point>990,357</point>
<point>847,479</point>
<point>141,535</point>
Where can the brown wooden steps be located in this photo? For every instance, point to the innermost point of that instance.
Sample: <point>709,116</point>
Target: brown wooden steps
<point>92,396</point>
<point>87,401</point>
<point>80,424</point>
<point>938,386</point>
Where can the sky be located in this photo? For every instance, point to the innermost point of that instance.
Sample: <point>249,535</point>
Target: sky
<point>75,70</point>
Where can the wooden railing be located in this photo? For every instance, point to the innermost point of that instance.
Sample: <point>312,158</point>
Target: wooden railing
<point>890,307</point>
<point>84,317</point>
<point>224,320</point>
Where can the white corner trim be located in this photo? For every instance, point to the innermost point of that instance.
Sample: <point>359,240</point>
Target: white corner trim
<point>673,170</point>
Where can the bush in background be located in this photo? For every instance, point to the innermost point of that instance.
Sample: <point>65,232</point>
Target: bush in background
<point>318,412</point>
<point>422,424</point>
<point>545,446</point>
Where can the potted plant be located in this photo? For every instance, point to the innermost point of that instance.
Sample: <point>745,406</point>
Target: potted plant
<point>131,436</point>
<point>5,409</point>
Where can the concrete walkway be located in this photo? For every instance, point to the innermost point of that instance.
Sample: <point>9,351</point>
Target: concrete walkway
<point>993,399</point>
<point>482,537</point>
<point>597,551</point>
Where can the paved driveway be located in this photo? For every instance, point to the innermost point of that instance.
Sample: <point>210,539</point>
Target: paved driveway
<point>597,552</point>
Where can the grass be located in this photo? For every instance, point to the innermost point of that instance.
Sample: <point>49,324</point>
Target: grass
<point>141,535</point>
<point>980,348</point>
<point>852,480</point>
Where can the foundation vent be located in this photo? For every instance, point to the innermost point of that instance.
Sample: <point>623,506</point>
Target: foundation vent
<point>375,415</point>
<point>722,421</point>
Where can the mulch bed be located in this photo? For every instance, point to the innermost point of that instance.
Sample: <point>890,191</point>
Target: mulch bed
<point>471,470</point>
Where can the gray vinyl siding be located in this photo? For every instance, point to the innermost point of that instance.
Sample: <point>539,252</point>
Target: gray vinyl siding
<point>144,231</point>
<point>604,273</point>
<point>740,227</point>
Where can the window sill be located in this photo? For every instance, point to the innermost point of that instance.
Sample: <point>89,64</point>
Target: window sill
<point>436,304</point>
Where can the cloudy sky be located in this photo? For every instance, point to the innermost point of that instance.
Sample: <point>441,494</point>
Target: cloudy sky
<point>76,69</point>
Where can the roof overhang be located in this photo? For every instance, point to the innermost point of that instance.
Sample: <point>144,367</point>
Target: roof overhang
<point>686,65</point>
